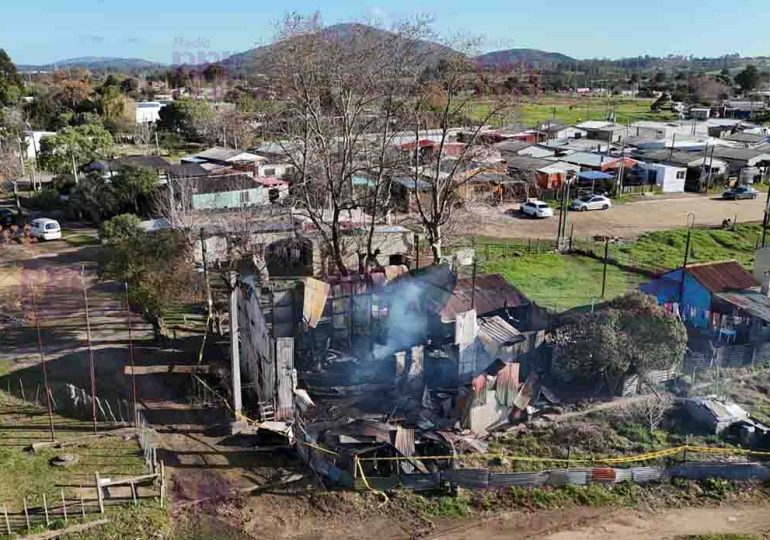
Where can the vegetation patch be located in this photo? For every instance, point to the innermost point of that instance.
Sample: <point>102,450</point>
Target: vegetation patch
<point>562,282</point>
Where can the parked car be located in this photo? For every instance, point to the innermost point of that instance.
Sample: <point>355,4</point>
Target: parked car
<point>536,208</point>
<point>45,229</point>
<point>7,217</point>
<point>740,192</point>
<point>591,202</point>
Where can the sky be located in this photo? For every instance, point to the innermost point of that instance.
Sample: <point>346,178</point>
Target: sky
<point>192,31</point>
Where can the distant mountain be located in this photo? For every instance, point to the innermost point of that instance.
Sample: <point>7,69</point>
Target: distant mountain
<point>95,63</point>
<point>261,59</point>
<point>534,57</point>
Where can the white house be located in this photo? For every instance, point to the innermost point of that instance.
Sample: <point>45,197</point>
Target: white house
<point>31,146</point>
<point>669,178</point>
<point>148,112</point>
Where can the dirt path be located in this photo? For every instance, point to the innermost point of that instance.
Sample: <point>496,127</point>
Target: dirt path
<point>600,524</point>
<point>625,220</point>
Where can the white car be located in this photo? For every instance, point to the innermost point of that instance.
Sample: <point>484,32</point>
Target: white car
<point>591,202</point>
<point>536,208</point>
<point>45,229</point>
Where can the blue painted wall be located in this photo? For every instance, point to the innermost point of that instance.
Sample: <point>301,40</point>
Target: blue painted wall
<point>696,299</point>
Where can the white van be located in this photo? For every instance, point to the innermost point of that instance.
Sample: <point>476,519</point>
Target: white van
<point>45,229</point>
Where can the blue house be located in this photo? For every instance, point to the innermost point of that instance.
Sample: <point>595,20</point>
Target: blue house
<point>719,298</point>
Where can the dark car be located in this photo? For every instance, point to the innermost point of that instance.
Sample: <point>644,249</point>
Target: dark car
<point>7,217</point>
<point>740,192</point>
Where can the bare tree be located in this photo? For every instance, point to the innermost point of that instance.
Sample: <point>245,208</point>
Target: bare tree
<point>443,105</point>
<point>344,97</point>
<point>650,410</point>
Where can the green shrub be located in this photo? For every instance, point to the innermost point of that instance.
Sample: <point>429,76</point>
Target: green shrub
<point>121,228</point>
<point>47,199</point>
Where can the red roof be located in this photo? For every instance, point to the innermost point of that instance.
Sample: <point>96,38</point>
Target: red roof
<point>493,292</point>
<point>422,143</point>
<point>269,181</point>
<point>722,276</point>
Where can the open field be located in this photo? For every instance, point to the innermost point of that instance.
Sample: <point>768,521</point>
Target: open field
<point>530,110</point>
<point>562,282</point>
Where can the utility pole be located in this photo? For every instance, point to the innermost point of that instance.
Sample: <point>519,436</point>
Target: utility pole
<point>604,270</point>
<point>209,299</point>
<point>42,361</point>
<point>690,223</point>
<point>131,355</point>
<point>235,362</point>
<point>91,367</point>
<point>74,169</point>
<point>766,218</point>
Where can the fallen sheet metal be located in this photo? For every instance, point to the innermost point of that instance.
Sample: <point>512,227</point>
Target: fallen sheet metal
<point>527,392</point>
<point>517,479</point>
<point>507,384</point>
<point>467,478</point>
<point>405,441</point>
<point>316,293</point>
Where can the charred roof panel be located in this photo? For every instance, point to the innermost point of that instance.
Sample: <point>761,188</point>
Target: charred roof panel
<point>492,293</point>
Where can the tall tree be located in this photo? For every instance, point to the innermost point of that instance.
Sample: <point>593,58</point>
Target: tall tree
<point>74,145</point>
<point>344,99</point>
<point>442,106</point>
<point>749,78</point>
<point>11,85</point>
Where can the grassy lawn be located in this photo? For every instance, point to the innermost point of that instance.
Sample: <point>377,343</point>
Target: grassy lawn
<point>25,473</point>
<point>572,110</point>
<point>665,249</point>
<point>562,282</point>
<point>79,238</point>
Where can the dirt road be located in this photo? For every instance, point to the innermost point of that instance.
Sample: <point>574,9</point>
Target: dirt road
<point>600,524</point>
<point>623,220</point>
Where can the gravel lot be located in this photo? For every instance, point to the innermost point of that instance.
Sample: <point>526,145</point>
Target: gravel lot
<point>623,220</point>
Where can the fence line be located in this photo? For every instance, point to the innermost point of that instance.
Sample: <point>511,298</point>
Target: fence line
<point>148,439</point>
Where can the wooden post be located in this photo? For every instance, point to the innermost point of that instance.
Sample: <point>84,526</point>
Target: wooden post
<point>99,494</point>
<point>162,483</point>
<point>64,506</point>
<point>82,504</point>
<point>21,386</point>
<point>133,492</point>
<point>45,510</point>
<point>26,513</point>
<point>7,522</point>
<point>569,455</point>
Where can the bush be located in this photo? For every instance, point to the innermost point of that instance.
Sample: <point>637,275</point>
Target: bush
<point>121,228</point>
<point>47,199</point>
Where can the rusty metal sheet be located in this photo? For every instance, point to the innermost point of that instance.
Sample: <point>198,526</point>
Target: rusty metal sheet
<point>603,474</point>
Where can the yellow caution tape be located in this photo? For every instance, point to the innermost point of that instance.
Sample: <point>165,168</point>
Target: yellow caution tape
<point>606,460</point>
<point>320,448</point>
<point>366,483</point>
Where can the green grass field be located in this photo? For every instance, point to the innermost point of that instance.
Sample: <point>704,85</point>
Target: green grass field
<point>562,282</point>
<point>665,249</point>
<point>569,110</point>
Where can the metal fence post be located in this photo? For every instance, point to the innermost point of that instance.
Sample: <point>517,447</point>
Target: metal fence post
<point>26,513</point>
<point>64,506</point>
<point>99,494</point>
<point>45,510</point>
<point>7,522</point>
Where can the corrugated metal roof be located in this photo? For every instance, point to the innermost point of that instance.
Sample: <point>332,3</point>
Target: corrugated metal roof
<point>752,302</point>
<point>492,292</point>
<point>405,441</point>
<point>741,154</point>
<point>518,479</point>
<point>746,137</point>
<point>722,276</point>
<point>644,475</point>
<point>495,330</point>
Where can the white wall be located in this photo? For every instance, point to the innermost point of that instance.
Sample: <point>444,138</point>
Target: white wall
<point>274,170</point>
<point>669,179</point>
<point>148,111</point>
